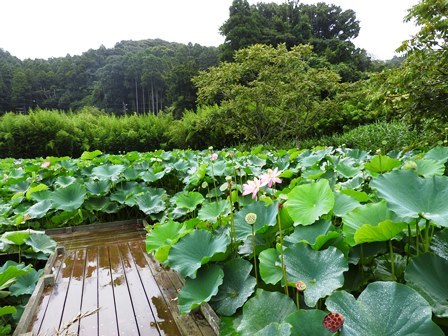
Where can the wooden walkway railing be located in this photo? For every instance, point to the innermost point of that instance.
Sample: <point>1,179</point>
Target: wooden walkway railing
<point>106,284</point>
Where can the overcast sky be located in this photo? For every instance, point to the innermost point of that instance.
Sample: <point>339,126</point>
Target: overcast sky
<point>55,28</point>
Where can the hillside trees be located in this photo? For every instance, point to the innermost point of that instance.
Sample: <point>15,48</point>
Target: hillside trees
<point>271,94</point>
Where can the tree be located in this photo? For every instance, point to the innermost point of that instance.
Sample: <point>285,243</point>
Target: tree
<point>418,89</point>
<point>271,94</point>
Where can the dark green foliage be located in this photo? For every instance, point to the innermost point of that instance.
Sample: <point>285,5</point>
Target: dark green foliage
<point>385,136</point>
<point>54,133</point>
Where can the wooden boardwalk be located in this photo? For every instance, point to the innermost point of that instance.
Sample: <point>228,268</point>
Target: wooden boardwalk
<point>106,284</point>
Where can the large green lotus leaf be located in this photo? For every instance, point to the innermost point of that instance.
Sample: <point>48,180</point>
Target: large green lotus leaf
<point>270,266</point>
<point>360,196</point>
<point>65,181</point>
<point>237,287</point>
<point>347,167</point>
<point>384,231</point>
<point>98,187</point>
<point>429,168</point>
<point>17,237</point>
<point>40,242</point>
<point>37,188</point>
<point>162,237</point>
<point>228,325</point>
<point>367,219</point>
<point>263,309</point>
<point>427,275</point>
<point>321,271</point>
<point>343,204</point>
<point>438,154</point>
<point>409,195</point>
<point>382,164</point>
<point>149,203</point>
<point>10,272</point>
<point>384,308</point>
<point>212,211</point>
<point>108,172</point>
<point>439,244</point>
<point>188,200</point>
<point>69,198</point>
<point>266,217</point>
<point>196,249</point>
<point>200,290</point>
<point>6,310</point>
<point>307,202</point>
<point>275,329</point>
<point>90,155</point>
<point>308,323</point>
<point>39,209</point>
<point>382,267</point>
<point>150,176</point>
<point>315,235</point>
<point>25,283</point>
<point>97,203</point>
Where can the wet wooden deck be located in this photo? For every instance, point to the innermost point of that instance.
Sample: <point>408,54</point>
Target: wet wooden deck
<point>106,284</point>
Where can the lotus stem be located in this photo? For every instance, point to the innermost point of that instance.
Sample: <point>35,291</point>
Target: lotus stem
<point>282,255</point>
<point>427,238</point>
<point>392,260</point>
<point>255,255</point>
<point>409,244</point>
<point>232,220</point>
<point>416,237</point>
<point>297,299</point>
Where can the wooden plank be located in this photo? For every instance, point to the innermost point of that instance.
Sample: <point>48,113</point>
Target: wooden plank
<point>144,314</point>
<point>160,309</point>
<point>107,318</point>
<point>185,323</point>
<point>89,324</point>
<point>127,324</point>
<point>72,305</point>
<point>55,308</point>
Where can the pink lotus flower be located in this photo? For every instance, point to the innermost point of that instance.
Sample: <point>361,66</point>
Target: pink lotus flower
<point>270,178</point>
<point>214,157</point>
<point>252,187</point>
<point>46,164</point>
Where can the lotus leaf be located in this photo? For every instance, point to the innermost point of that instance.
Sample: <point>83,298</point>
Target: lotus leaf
<point>98,187</point>
<point>343,204</point>
<point>275,329</point>
<point>308,323</point>
<point>108,172</point>
<point>427,275</point>
<point>40,242</point>
<point>382,164</point>
<point>258,311</point>
<point>429,168</point>
<point>438,154</point>
<point>150,204</point>
<point>39,209</point>
<point>321,271</point>
<point>315,235</point>
<point>69,198</point>
<point>37,188</point>
<point>371,222</point>
<point>270,266</point>
<point>212,211</point>
<point>266,215</point>
<point>188,200</point>
<point>384,308</point>
<point>25,283</point>
<point>64,181</point>
<point>200,290</point>
<point>439,244</point>
<point>409,195</point>
<point>196,249</point>
<point>237,287</point>
<point>307,202</point>
<point>90,155</point>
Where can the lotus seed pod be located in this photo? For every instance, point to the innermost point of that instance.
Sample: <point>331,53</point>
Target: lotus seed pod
<point>333,322</point>
<point>250,218</point>
<point>301,286</point>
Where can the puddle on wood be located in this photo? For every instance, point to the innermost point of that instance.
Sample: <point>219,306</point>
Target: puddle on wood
<point>167,326</point>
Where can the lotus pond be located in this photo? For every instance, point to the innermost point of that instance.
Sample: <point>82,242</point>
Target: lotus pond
<point>289,242</point>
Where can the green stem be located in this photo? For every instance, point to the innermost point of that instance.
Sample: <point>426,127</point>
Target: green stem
<point>392,261</point>
<point>427,240</point>
<point>255,255</point>
<point>214,184</point>
<point>297,299</point>
<point>282,255</point>
<point>409,244</point>
<point>416,237</point>
<point>232,221</point>
<point>361,261</point>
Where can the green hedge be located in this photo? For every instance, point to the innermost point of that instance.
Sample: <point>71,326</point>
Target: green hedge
<point>56,133</point>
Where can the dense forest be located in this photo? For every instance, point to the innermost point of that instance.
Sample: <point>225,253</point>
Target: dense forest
<point>285,72</point>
